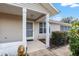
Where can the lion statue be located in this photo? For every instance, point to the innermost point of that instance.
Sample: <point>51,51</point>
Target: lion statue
<point>21,51</point>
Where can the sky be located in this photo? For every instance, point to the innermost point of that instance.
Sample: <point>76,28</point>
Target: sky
<point>66,10</point>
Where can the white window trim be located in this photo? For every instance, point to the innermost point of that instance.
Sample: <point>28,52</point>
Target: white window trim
<point>43,27</point>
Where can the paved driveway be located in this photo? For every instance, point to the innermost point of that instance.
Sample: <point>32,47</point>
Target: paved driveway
<point>61,51</point>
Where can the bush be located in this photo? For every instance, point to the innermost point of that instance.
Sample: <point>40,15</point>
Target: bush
<point>74,39</point>
<point>59,38</point>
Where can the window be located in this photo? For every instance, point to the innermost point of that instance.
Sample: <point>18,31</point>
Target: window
<point>42,27</point>
<point>29,29</point>
<point>65,28</point>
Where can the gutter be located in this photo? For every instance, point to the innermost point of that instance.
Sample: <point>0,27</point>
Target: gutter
<point>58,11</point>
<point>50,7</point>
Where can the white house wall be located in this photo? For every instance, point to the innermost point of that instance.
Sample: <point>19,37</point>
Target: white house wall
<point>36,30</point>
<point>54,27</point>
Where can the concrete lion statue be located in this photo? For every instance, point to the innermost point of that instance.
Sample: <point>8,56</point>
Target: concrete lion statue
<point>21,51</point>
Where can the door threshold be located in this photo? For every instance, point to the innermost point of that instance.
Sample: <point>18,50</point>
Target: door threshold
<point>30,40</point>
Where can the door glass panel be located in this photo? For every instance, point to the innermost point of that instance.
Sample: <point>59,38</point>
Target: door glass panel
<point>29,29</point>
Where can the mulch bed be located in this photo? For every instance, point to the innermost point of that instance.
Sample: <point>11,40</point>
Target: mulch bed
<point>51,45</point>
<point>43,41</point>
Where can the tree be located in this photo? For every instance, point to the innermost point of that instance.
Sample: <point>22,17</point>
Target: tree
<point>75,20</point>
<point>67,20</point>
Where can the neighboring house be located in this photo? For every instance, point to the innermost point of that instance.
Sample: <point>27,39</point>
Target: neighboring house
<point>20,22</point>
<point>59,26</point>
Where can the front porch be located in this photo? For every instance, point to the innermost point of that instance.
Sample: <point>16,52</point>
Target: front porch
<point>14,25</point>
<point>34,18</point>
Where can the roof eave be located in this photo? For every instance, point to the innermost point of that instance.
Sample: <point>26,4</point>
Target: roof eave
<point>50,8</point>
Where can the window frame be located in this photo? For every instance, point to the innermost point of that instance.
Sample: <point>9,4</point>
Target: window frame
<point>42,26</point>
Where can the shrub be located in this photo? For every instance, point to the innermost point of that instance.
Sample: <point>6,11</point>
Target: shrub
<point>59,38</point>
<point>74,39</point>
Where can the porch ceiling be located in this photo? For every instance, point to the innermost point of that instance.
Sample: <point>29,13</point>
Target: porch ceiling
<point>34,15</point>
<point>10,9</point>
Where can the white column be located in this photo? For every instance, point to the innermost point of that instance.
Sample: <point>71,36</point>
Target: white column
<point>24,19</point>
<point>47,31</point>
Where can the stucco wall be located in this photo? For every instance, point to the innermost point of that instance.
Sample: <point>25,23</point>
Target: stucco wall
<point>10,28</point>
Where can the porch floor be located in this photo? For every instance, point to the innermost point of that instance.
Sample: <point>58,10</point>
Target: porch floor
<point>35,46</point>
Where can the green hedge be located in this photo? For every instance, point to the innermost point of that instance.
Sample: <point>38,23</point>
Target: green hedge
<point>59,38</point>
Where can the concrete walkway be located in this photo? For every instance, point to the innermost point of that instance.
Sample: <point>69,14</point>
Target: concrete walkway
<point>62,51</point>
<point>35,45</point>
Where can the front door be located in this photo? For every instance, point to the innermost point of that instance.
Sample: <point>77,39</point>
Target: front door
<point>29,30</point>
